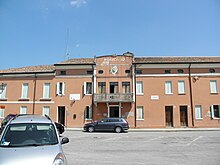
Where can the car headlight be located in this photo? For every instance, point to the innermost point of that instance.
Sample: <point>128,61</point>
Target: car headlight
<point>59,160</point>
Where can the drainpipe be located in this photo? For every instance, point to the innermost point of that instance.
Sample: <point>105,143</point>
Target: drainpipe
<point>34,97</point>
<point>191,95</point>
<point>135,97</point>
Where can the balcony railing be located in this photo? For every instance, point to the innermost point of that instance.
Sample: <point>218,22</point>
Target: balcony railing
<point>120,97</point>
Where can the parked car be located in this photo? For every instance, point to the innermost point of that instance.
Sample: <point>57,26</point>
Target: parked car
<point>107,124</point>
<point>5,121</point>
<point>31,139</point>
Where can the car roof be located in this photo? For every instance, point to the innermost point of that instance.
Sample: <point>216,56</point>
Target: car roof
<point>30,119</point>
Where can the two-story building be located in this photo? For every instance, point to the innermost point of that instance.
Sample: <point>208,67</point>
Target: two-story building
<point>150,92</point>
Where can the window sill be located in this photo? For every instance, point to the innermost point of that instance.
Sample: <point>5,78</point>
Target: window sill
<point>23,99</point>
<point>140,94</point>
<point>199,119</point>
<point>216,118</point>
<point>140,119</point>
<point>45,99</point>
<point>3,99</point>
<point>88,119</point>
<point>88,94</point>
<point>168,93</point>
<point>214,93</point>
<point>181,93</point>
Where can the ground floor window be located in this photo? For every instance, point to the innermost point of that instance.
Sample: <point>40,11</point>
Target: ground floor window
<point>46,111</point>
<point>88,113</point>
<point>1,113</point>
<point>198,111</point>
<point>215,111</point>
<point>23,110</point>
<point>140,113</point>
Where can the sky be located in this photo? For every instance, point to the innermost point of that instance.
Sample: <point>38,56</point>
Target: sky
<point>44,32</point>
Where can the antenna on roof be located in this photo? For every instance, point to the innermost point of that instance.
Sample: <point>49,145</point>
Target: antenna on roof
<point>67,53</point>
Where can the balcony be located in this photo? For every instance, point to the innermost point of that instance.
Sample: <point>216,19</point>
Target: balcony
<point>110,98</point>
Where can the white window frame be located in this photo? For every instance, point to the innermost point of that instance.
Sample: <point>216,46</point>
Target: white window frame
<point>168,88</point>
<point>60,88</point>
<point>139,88</point>
<point>212,112</point>
<point>213,87</point>
<point>46,91</point>
<point>181,87</point>
<point>2,113</point>
<point>198,112</point>
<point>86,92</point>
<point>46,110</point>
<point>24,91</point>
<point>140,113</point>
<point>23,110</point>
<point>3,93</point>
<point>90,112</point>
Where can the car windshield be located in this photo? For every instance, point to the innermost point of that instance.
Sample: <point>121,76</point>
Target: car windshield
<point>29,134</point>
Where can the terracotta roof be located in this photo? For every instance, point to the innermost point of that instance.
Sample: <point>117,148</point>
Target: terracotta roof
<point>30,69</point>
<point>77,61</point>
<point>161,60</point>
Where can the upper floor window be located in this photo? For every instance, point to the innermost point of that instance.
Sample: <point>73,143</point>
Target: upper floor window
<point>24,92</point>
<point>3,88</point>
<point>89,72</point>
<point>87,88</point>
<point>167,71</point>
<point>213,86</point>
<point>127,71</point>
<point>211,70</point>
<point>139,87</point>
<point>100,71</point>
<point>181,87</point>
<point>113,87</point>
<point>168,87</point>
<point>60,88</point>
<point>180,71</point>
<point>62,72</point>
<point>125,87</point>
<point>46,111</point>
<point>46,91</point>
<point>138,71</point>
<point>23,110</point>
<point>101,87</point>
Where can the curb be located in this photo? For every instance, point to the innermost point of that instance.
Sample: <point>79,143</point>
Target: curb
<point>159,129</point>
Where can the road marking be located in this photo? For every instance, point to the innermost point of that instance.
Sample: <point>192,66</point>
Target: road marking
<point>194,140</point>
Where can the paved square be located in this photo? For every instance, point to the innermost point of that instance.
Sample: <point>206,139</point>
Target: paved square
<point>141,148</point>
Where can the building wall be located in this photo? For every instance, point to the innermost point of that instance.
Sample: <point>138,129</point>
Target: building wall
<point>70,107</point>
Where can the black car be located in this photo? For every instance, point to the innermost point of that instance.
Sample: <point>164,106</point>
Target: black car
<point>108,124</point>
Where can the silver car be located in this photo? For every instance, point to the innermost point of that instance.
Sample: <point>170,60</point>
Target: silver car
<point>31,140</point>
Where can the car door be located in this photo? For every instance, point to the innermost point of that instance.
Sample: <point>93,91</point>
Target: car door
<point>101,125</point>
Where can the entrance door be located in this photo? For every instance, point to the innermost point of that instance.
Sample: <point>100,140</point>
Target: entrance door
<point>183,116</point>
<point>114,111</point>
<point>169,116</point>
<point>61,115</point>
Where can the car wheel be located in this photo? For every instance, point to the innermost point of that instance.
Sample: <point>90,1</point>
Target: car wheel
<point>118,129</point>
<point>91,129</point>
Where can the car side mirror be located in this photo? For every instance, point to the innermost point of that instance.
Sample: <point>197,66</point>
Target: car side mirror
<point>65,140</point>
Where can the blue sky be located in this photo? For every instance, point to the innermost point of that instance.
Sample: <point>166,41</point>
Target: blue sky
<point>36,32</point>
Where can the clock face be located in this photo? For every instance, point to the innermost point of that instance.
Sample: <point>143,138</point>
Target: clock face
<point>114,69</point>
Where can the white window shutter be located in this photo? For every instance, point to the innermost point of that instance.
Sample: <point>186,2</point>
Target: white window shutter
<point>84,87</point>
<point>57,88</point>
<point>212,111</point>
<point>63,89</point>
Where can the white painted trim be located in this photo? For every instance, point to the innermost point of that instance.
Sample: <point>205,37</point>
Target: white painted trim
<point>26,75</point>
<point>67,66</point>
<point>158,66</point>
<point>177,75</point>
<point>74,76</point>
<point>26,102</point>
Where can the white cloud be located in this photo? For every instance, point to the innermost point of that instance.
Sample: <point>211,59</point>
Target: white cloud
<point>77,3</point>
